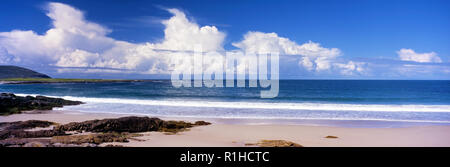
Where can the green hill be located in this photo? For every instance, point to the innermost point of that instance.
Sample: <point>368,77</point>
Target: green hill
<point>19,72</point>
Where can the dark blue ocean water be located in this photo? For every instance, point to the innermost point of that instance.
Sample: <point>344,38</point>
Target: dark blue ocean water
<point>387,100</point>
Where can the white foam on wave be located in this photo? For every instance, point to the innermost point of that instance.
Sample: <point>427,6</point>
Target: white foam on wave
<point>274,117</point>
<point>265,105</point>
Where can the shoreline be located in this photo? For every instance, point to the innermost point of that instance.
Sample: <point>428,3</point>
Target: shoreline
<point>62,81</point>
<point>79,116</point>
<point>371,115</point>
<point>235,134</point>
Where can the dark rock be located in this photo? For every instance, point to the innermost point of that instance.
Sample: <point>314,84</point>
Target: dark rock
<point>199,123</point>
<point>11,104</point>
<point>331,137</point>
<point>29,134</point>
<point>18,129</point>
<point>124,124</point>
<point>176,125</point>
<point>106,130</point>
<point>19,125</point>
<point>19,142</point>
<point>128,124</point>
<point>91,138</point>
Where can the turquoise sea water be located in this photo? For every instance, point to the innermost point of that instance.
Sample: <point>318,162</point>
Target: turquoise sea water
<point>377,100</point>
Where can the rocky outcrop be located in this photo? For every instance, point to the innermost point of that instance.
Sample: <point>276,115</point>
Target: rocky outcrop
<point>11,104</point>
<point>24,142</point>
<point>19,129</point>
<point>29,134</point>
<point>129,124</point>
<point>98,131</point>
<point>20,125</point>
<point>124,124</point>
<point>92,138</point>
<point>274,143</point>
<point>200,123</point>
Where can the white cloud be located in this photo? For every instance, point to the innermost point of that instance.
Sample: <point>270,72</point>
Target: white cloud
<point>312,56</point>
<point>182,34</point>
<point>78,58</point>
<point>352,68</point>
<point>75,42</point>
<point>307,63</point>
<point>70,32</point>
<point>259,42</point>
<point>72,20</point>
<point>411,55</point>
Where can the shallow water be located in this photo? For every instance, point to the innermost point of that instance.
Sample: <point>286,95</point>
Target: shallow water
<point>357,100</point>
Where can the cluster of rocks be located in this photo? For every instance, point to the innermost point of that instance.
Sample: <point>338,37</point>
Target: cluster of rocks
<point>12,104</point>
<point>274,143</point>
<point>106,130</point>
<point>20,129</point>
<point>93,139</point>
<point>23,133</point>
<point>129,124</point>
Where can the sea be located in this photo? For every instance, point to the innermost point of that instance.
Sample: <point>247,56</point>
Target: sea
<point>367,103</point>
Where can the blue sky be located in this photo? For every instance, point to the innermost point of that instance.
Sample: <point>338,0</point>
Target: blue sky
<point>376,39</point>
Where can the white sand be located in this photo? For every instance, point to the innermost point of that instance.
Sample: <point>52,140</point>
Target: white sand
<point>225,135</point>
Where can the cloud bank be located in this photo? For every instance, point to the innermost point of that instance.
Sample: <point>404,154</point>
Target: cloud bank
<point>312,56</point>
<point>76,44</point>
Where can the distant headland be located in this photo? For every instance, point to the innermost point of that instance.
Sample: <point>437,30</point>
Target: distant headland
<point>19,72</point>
<point>20,75</point>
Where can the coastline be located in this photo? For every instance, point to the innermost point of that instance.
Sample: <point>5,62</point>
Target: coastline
<point>238,134</point>
<point>19,81</point>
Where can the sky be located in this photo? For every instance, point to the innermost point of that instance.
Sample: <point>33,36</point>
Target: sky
<point>320,39</point>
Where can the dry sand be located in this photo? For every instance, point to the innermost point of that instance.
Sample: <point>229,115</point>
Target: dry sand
<point>225,135</point>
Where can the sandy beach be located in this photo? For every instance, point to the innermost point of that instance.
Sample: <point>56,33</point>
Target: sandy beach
<point>223,134</point>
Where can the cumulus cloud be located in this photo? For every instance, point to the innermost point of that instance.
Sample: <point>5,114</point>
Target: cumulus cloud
<point>315,57</point>
<point>352,68</point>
<point>182,34</point>
<point>312,56</point>
<point>259,42</point>
<point>411,55</point>
<point>78,58</point>
<point>70,32</point>
<point>74,41</point>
